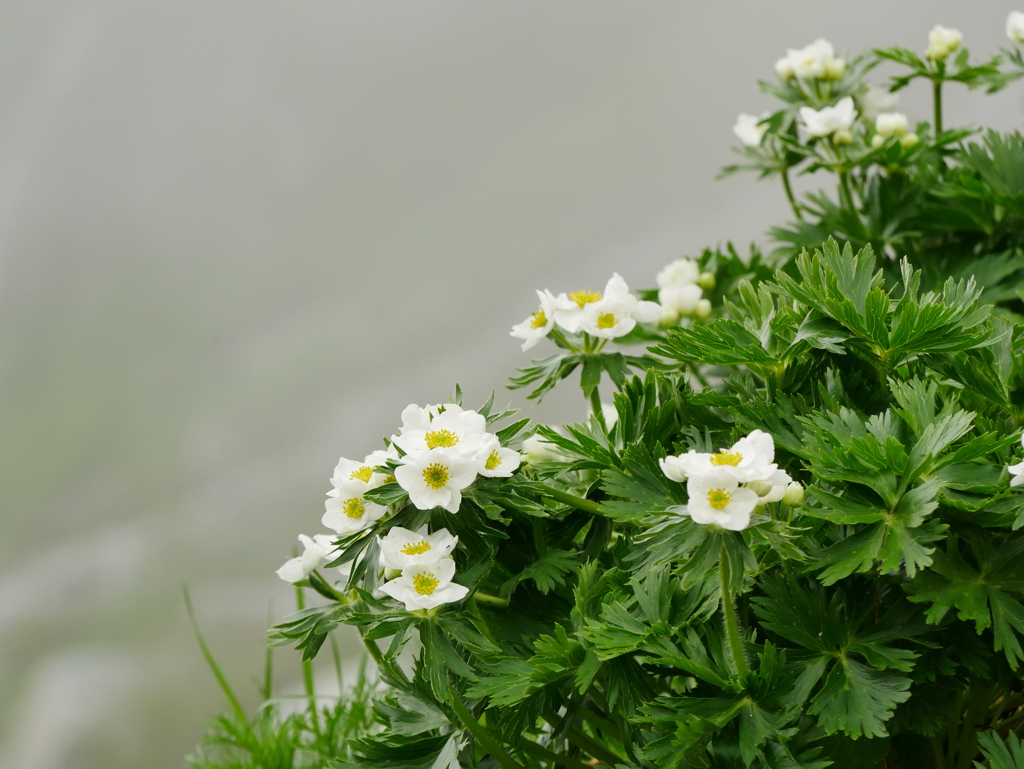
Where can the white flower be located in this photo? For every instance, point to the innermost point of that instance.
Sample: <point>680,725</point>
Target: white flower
<point>716,497</point>
<point>751,458</point>
<point>749,130</point>
<point>814,61</point>
<point>1015,26</point>
<point>680,271</point>
<point>570,308</point>
<point>402,548</point>
<point>538,325</point>
<point>942,41</point>
<point>495,460</point>
<point>315,550</point>
<point>351,511</point>
<point>772,489</point>
<point>683,298</point>
<point>875,101</point>
<point>426,586</point>
<point>418,417</point>
<point>608,319</point>
<point>536,449</point>
<point>353,479</point>
<point>455,428</point>
<point>436,478</point>
<point>1017,470</point>
<point>828,120</point>
<point>891,124</point>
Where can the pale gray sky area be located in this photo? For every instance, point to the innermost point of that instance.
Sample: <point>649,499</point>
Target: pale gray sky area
<point>237,238</point>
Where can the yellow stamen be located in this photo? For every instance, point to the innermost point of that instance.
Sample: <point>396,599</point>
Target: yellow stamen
<point>436,476</point>
<point>539,319</point>
<point>390,479</point>
<point>493,460</point>
<point>724,457</point>
<point>583,298</point>
<point>441,439</point>
<point>353,508</point>
<point>606,321</point>
<point>719,498</point>
<point>425,583</point>
<point>416,548</point>
<point>362,474</point>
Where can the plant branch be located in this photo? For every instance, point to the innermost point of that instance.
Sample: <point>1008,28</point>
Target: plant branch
<point>732,623</point>
<point>578,502</point>
<point>482,735</point>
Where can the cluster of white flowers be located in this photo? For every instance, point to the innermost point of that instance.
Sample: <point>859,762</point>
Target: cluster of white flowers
<point>605,315</point>
<point>681,287</point>
<point>942,41</point>
<point>425,564</point>
<point>725,487</point>
<point>446,447</point>
<point>816,61</point>
<point>832,121</point>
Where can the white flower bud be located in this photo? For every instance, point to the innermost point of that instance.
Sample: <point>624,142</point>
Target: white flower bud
<point>842,136</point>
<point>1015,26</point>
<point>748,129</point>
<point>891,124</point>
<point>784,68</point>
<point>909,140</point>
<point>834,69</point>
<point>706,280</point>
<point>875,101</point>
<point>942,41</point>
<point>669,318</point>
<point>681,297</point>
<point>794,494</point>
<point>703,310</point>
<point>877,141</point>
<point>828,120</point>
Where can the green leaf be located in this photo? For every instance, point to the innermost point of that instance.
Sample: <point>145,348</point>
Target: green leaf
<point>858,700</point>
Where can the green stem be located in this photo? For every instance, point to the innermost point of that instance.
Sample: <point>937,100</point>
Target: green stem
<point>578,502</point>
<point>937,106</point>
<point>225,687</point>
<point>789,194</point>
<point>732,623</point>
<point>561,338</point>
<point>845,193</point>
<point>307,671</point>
<point>383,665</point>
<point>481,735</point>
<point>533,749</point>
<point>487,598</point>
<point>597,408</point>
<point>582,740</point>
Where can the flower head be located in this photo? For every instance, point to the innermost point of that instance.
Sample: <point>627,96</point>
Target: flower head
<point>495,460</point>
<point>1015,26</point>
<point>351,511</point>
<point>891,124</point>
<point>538,325</point>
<point>572,310</point>
<point>682,298</point>
<point>436,478</point>
<point>426,586</point>
<point>749,129</point>
<point>716,497</point>
<point>1017,470</point>
<point>817,60</point>
<point>875,101</point>
<point>455,428</point>
<point>402,548</point>
<point>315,550</point>
<point>829,120</point>
<point>942,41</point>
<point>681,271</point>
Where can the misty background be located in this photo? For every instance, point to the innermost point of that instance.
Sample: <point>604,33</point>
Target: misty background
<point>237,238</point>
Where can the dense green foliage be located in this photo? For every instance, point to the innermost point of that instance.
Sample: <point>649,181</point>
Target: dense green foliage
<point>877,623</point>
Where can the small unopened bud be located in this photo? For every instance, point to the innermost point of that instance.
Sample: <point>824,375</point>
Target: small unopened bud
<point>706,280</point>
<point>909,140</point>
<point>891,124</point>
<point>392,573</point>
<point>703,310</point>
<point>834,69</point>
<point>669,317</point>
<point>784,68</point>
<point>842,136</point>
<point>794,494</point>
<point>877,141</point>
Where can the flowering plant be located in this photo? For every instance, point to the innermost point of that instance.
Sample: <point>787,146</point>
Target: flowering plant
<point>792,539</point>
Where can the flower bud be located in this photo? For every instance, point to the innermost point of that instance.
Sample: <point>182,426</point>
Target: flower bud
<point>877,141</point>
<point>706,280</point>
<point>784,68</point>
<point>703,310</point>
<point>1015,27</point>
<point>669,318</point>
<point>842,136</point>
<point>909,140</point>
<point>392,573</point>
<point>834,69</point>
<point>891,124</point>
<point>942,41</point>
<point>794,494</point>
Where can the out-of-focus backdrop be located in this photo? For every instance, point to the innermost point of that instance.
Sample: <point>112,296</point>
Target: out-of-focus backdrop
<point>238,237</point>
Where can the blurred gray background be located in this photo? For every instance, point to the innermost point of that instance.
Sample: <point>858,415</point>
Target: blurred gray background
<point>237,238</point>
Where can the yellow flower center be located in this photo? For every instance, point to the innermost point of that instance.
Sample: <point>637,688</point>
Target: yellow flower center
<point>390,479</point>
<point>424,583</point>
<point>606,321</point>
<point>416,548</point>
<point>719,498</point>
<point>436,476</point>
<point>493,460</point>
<point>540,319</point>
<point>354,508</point>
<point>724,457</point>
<point>442,439</point>
<point>583,298</point>
<point>362,474</point>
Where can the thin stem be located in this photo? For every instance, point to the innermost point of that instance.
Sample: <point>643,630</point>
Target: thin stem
<point>536,750</point>
<point>845,193</point>
<point>487,598</point>
<point>561,338</point>
<point>732,623</point>
<point>307,671</point>
<point>789,194</point>
<point>582,740</point>
<point>225,687</point>
<point>482,735</point>
<point>578,502</point>
<point>383,665</point>
<point>937,106</point>
<point>597,408</point>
